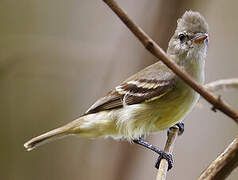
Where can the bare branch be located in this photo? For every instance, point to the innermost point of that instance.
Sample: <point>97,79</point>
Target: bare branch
<point>223,165</point>
<point>163,167</point>
<point>222,84</point>
<point>227,161</point>
<point>151,46</point>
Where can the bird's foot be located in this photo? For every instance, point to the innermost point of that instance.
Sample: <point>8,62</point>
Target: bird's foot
<point>168,157</point>
<point>162,154</point>
<point>180,125</point>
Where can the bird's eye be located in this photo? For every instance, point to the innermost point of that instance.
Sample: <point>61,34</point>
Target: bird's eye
<point>181,37</point>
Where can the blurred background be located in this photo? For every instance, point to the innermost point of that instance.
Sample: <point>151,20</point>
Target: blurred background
<point>57,57</point>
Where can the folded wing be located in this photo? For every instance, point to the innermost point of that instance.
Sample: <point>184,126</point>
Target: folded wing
<point>151,83</point>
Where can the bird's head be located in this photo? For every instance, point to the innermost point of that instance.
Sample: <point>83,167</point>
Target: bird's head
<point>190,39</point>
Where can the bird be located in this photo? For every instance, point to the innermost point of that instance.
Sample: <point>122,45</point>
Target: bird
<point>151,100</point>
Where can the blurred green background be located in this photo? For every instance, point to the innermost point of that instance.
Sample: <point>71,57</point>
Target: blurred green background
<point>57,57</point>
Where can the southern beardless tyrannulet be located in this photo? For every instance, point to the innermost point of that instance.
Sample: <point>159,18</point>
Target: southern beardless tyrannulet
<point>151,100</point>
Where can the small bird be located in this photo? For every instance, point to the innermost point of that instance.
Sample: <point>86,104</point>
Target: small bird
<point>151,100</point>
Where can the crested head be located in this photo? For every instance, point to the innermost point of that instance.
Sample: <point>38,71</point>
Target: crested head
<point>193,22</point>
<point>191,37</point>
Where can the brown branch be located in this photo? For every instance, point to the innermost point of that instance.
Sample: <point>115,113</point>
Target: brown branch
<point>163,167</point>
<point>222,84</point>
<point>227,161</point>
<point>151,46</point>
<point>223,165</point>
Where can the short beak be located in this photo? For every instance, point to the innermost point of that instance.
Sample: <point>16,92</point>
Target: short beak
<point>200,38</point>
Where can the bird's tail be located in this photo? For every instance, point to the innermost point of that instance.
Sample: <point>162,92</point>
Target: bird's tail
<point>50,136</point>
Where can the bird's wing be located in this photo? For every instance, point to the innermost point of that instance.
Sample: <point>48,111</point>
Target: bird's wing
<point>149,84</point>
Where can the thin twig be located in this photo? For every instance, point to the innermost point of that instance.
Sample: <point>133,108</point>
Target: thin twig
<point>151,46</point>
<point>223,165</point>
<point>226,162</point>
<point>217,103</point>
<point>163,167</point>
<point>222,84</point>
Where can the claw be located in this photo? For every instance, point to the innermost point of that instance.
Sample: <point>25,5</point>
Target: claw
<point>161,153</point>
<point>166,156</point>
<point>180,125</point>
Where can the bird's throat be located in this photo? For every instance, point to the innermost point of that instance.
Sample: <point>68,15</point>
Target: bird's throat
<point>196,69</point>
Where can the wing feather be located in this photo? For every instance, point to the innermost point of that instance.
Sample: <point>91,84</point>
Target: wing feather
<point>149,84</point>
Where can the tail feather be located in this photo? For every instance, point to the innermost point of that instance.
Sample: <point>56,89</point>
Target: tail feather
<point>45,138</point>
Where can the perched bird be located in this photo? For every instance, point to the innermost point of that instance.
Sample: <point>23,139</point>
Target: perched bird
<point>152,99</point>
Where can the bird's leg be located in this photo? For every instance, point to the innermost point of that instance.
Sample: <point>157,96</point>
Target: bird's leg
<point>162,154</point>
<point>180,125</point>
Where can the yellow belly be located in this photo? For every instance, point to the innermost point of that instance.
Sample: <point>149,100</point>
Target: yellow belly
<point>162,113</point>
<point>132,121</point>
<point>174,106</point>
